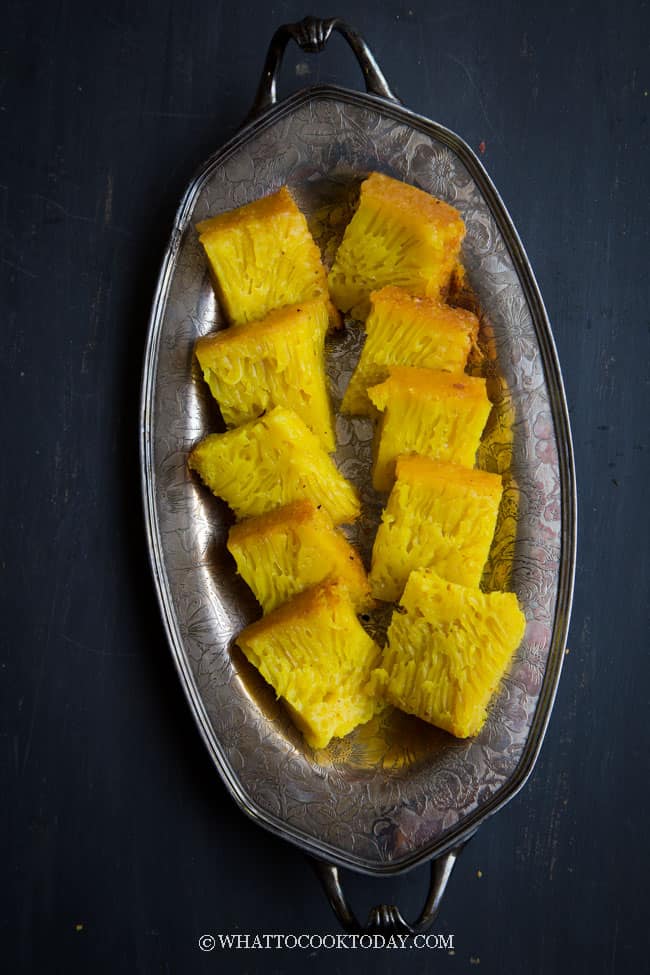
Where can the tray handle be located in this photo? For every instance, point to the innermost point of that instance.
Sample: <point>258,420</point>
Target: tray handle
<point>387,918</point>
<point>311,35</point>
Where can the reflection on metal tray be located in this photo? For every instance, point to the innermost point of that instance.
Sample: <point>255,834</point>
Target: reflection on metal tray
<point>396,792</point>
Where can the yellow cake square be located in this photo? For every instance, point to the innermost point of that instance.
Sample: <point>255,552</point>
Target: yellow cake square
<point>438,515</point>
<point>402,330</point>
<point>428,412</point>
<point>448,648</point>
<point>270,461</point>
<point>278,361</point>
<point>292,548</point>
<point>319,659</point>
<point>262,256</point>
<point>398,235</point>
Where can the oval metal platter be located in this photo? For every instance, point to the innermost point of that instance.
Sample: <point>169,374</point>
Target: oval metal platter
<point>396,792</point>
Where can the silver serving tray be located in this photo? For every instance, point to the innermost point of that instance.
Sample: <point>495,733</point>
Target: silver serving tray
<point>396,792</point>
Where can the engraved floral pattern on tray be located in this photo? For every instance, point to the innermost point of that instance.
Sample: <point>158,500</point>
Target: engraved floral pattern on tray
<point>396,785</point>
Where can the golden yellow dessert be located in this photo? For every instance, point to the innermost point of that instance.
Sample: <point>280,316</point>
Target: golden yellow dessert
<point>262,256</point>
<point>398,235</point>
<point>318,658</point>
<point>439,516</point>
<point>292,548</point>
<point>270,461</point>
<point>448,644</point>
<point>278,361</point>
<point>402,330</point>
<point>448,648</point>
<point>429,412</point>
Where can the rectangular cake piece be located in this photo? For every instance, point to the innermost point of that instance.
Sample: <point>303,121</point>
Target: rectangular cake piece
<point>292,548</point>
<point>448,648</point>
<point>318,658</point>
<point>428,412</point>
<point>438,515</point>
<point>402,330</point>
<point>398,235</point>
<point>262,256</point>
<point>270,461</point>
<point>278,361</point>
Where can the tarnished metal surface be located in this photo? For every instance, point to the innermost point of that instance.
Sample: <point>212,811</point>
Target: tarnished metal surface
<point>396,791</point>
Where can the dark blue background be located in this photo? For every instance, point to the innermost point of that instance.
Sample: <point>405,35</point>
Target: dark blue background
<point>113,817</point>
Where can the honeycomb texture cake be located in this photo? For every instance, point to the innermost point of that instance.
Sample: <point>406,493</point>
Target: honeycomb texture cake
<point>448,648</point>
<point>429,412</point>
<point>319,659</point>
<point>278,361</point>
<point>402,330</point>
<point>440,516</point>
<point>398,235</point>
<point>270,461</point>
<point>262,256</point>
<point>292,548</point>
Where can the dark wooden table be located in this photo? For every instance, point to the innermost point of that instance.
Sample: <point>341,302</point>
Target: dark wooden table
<point>121,845</point>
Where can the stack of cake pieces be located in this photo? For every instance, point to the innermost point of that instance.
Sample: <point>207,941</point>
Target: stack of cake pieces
<point>272,465</point>
<point>449,643</point>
